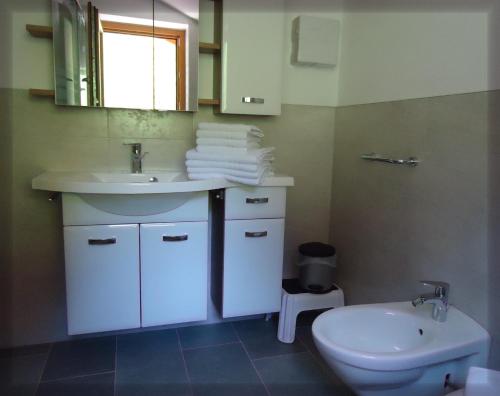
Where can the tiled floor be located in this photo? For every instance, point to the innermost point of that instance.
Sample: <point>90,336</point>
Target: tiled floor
<point>239,358</point>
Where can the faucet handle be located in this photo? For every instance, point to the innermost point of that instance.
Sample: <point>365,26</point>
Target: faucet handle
<point>441,288</point>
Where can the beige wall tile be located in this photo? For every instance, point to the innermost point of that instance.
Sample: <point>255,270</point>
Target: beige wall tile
<point>150,124</point>
<point>162,154</point>
<point>395,225</point>
<point>40,117</point>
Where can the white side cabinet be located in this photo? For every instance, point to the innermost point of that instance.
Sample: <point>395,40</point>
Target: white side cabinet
<point>173,272</point>
<point>102,277</point>
<point>252,55</point>
<point>253,250</point>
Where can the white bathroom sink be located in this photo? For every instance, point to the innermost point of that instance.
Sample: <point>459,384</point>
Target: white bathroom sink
<point>160,182</point>
<point>396,336</point>
<point>166,177</point>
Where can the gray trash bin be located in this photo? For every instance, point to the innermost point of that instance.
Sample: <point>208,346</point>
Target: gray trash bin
<point>317,265</point>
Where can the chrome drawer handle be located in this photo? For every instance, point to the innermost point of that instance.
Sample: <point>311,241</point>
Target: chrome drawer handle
<point>257,200</point>
<point>258,234</point>
<point>249,99</point>
<point>108,241</point>
<point>175,238</point>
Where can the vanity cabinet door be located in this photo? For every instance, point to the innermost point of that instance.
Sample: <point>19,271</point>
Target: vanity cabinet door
<point>174,265</point>
<point>252,55</point>
<point>102,277</point>
<point>253,266</point>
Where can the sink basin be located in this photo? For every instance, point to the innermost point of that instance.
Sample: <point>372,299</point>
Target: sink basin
<point>161,182</point>
<point>140,177</point>
<point>397,349</point>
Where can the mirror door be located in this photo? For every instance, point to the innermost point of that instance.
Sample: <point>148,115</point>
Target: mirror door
<point>139,54</point>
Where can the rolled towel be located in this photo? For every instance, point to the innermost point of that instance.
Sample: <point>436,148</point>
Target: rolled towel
<point>231,172</point>
<point>208,133</point>
<point>197,164</point>
<point>254,156</point>
<point>248,143</point>
<point>227,150</point>
<point>214,126</point>
<point>236,179</point>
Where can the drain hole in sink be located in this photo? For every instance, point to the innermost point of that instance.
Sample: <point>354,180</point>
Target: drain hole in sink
<point>420,331</point>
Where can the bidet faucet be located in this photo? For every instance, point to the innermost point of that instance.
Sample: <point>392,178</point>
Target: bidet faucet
<point>136,157</point>
<point>439,299</point>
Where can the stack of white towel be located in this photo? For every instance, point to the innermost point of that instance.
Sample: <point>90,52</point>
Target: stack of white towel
<point>229,151</point>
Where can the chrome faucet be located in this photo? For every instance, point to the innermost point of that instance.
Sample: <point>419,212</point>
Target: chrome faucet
<point>439,299</point>
<point>136,157</point>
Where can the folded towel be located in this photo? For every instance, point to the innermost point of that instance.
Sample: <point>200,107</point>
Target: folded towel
<point>254,156</point>
<point>236,179</point>
<point>208,133</point>
<point>227,150</point>
<point>201,164</point>
<point>248,143</point>
<point>213,126</point>
<point>232,172</point>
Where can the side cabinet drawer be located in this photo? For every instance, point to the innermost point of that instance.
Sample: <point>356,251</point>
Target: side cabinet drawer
<point>174,265</point>
<point>102,278</point>
<point>255,203</point>
<point>253,266</point>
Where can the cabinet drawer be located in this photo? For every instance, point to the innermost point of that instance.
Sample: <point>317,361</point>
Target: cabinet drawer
<point>253,266</point>
<point>255,203</point>
<point>102,278</point>
<point>174,265</point>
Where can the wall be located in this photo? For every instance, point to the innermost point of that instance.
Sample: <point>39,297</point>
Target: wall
<point>5,211</point>
<point>65,138</point>
<point>441,220</point>
<point>494,226</point>
<point>59,138</point>
<point>392,55</point>
<point>395,225</point>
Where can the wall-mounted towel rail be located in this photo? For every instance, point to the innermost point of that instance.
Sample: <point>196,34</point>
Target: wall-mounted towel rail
<point>412,161</point>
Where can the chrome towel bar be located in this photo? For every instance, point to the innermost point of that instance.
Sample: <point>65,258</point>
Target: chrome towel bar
<point>412,161</point>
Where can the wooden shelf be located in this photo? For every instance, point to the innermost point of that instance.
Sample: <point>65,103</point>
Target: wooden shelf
<point>209,48</point>
<point>40,31</point>
<point>209,102</point>
<point>48,93</point>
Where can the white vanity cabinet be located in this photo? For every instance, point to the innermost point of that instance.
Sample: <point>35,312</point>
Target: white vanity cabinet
<point>173,272</point>
<point>152,272</point>
<point>102,277</point>
<point>253,250</point>
<point>252,56</point>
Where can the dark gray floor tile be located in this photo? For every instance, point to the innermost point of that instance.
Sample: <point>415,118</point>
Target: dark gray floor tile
<point>20,375</point>
<point>95,385</point>
<point>208,335</point>
<point>150,363</point>
<point>39,349</point>
<point>296,374</point>
<point>80,357</point>
<point>222,370</point>
<point>304,334</point>
<point>260,339</point>
<point>306,318</point>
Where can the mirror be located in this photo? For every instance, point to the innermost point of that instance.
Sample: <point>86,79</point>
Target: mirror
<point>137,54</point>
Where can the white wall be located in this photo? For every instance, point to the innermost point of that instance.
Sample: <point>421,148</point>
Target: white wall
<point>411,54</point>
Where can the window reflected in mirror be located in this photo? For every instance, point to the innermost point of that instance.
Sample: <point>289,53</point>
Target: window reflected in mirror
<point>121,54</point>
